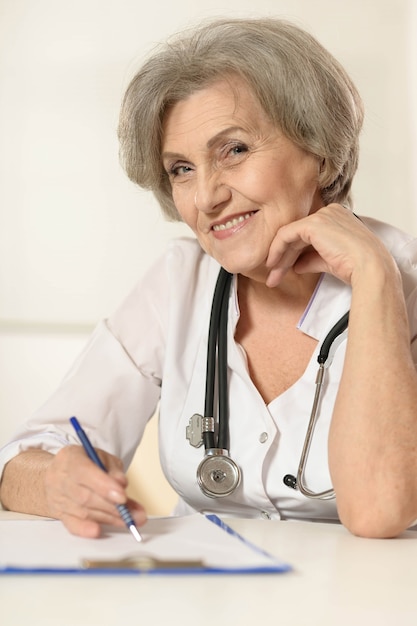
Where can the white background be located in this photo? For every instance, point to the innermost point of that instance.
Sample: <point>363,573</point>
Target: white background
<point>74,232</point>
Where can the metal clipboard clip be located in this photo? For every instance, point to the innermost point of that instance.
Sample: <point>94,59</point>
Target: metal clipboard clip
<point>142,564</point>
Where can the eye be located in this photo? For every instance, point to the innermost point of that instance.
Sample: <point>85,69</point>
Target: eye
<point>236,149</point>
<point>239,148</point>
<point>178,169</point>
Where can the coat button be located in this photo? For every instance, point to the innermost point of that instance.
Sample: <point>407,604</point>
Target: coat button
<point>263,437</point>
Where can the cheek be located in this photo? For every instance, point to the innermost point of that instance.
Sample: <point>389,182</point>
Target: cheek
<point>184,206</point>
<point>189,216</point>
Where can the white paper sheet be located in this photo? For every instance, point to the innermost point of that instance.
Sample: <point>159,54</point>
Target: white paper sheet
<point>37,545</point>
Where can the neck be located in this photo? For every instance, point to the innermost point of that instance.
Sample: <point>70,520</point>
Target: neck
<point>294,291</point>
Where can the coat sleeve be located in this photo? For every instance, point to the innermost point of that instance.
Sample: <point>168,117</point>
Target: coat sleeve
<point>114,386</point>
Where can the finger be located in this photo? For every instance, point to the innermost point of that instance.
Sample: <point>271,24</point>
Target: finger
<point>86,497</point>
<point>114,466</point>
<point>88,523</point>
<point>74,485</point>
<point>81,527</point>
<point>282,250</point>
<point>96,510</point>
<point>99,512</point>
<point>284,260</point>
<point>92,527</point>
<point>110,485</point>
<point>310,262</point>
<point>289,243</point>
<point>81,502</point>
<point>137,511</point>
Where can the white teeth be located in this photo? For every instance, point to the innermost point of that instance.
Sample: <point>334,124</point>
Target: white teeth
<point>233,222</point>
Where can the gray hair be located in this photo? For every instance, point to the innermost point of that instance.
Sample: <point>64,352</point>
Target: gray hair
<point>302,88</point>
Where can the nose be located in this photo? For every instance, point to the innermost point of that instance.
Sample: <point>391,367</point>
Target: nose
<point>211,193</point>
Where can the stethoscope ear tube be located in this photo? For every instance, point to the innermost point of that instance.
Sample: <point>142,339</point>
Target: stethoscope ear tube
<point>217,474</point>
<point>223,440</point>
<point>217,341</point>
<point>299,481</point>
<point>334,332</point>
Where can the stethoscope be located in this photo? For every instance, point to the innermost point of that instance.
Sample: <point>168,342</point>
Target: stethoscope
<point>218,475</point>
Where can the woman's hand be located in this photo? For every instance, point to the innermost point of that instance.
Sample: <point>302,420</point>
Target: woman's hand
<point>84,497</point>
<point>331,240</point>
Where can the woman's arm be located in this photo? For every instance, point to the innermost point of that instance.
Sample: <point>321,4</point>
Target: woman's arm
<point>68,486</point>
<point>373,435</point>
<point>22,495</point>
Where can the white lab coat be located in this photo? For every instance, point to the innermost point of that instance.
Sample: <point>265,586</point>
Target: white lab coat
<point>153,350</point>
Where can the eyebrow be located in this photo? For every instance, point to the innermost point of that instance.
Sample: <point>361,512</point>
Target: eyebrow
<point>211,142</point>
<point>220,134</point>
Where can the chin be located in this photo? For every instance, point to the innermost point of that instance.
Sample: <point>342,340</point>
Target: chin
<point>256,271</point>
<point>239,259</point>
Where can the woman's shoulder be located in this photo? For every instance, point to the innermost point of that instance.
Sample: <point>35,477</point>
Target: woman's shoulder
<point>185,249</point>
<point>184,258</point>
<point>182,269</point>
<point>393,237</point>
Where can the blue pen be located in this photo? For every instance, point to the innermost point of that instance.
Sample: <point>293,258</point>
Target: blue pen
<point>88,447</point>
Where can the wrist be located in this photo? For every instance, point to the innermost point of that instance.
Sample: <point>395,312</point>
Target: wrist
<point>377,275</point>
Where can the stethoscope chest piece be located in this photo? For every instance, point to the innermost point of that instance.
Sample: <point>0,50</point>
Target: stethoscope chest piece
<point>218,475</point>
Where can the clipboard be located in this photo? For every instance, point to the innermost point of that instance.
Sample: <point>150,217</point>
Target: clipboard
<point>193,544</point>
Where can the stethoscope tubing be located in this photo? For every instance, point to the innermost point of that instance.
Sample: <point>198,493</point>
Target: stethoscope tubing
<point>217,352</point>
<point>217,358</point>
<point>299,482</point>
<point>331,336</point>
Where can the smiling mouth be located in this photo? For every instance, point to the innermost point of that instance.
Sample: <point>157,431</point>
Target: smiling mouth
<point>233,222</point>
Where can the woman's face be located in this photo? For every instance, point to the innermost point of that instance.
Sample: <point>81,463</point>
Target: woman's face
<point>235,178</point>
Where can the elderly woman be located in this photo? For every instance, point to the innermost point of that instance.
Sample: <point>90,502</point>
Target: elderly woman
<point>247,130</point>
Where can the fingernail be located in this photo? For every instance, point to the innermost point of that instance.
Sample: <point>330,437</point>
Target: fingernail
<point>139,517</point>
<point>117,497</point>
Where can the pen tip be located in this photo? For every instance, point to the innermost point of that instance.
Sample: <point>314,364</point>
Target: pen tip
<point>135,533</point>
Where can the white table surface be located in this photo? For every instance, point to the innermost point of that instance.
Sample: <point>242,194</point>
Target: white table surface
<point>337,580</point>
